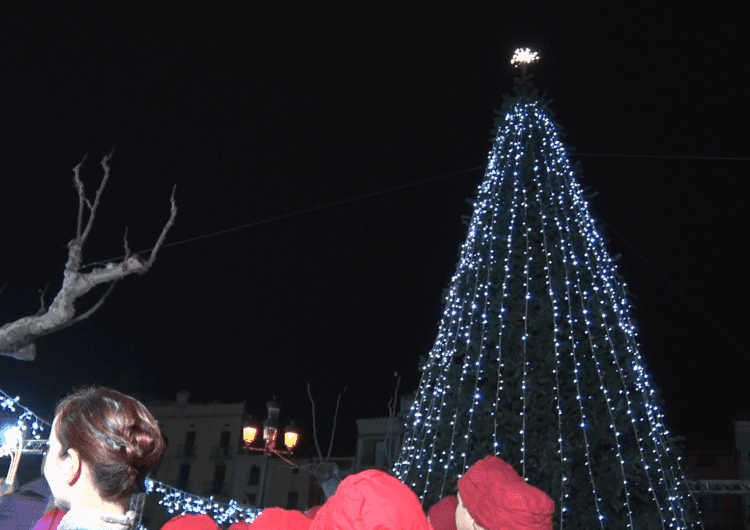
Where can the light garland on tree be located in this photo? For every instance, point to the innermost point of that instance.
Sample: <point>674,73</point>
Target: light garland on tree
<point>534,260</point>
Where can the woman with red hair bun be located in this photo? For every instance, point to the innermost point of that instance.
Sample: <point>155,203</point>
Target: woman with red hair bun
<point>101,447</point>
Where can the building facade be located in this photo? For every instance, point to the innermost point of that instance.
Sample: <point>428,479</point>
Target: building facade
<point>202,450</point>
<point>205,457</point>
<point>379,439</point>
<point>724,477</point>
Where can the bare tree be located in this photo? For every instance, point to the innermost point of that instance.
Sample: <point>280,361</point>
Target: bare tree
<point>392,410</point>
<point>326,471</point>
<point>17,339</point>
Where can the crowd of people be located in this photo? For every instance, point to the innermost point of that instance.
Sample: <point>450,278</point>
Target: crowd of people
<point>103,444</point>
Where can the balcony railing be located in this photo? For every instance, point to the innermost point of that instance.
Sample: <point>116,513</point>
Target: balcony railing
<point>220,451</point>
<point>214,489</point>
<point>186,451</point>
<point>184,486</point>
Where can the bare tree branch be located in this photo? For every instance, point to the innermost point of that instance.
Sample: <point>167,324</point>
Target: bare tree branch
<point>43,306</point>
<point>392,405</point>
<point>163,235</point>
<point>335,414</point>
<point>326,471</point>
<point>17,338</point>
<point>87,314</point>
<point>81,194</point>
<point>315,429</point>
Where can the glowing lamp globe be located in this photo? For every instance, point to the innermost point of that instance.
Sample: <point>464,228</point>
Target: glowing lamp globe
<point>291,436</point>
<point>249,432</point>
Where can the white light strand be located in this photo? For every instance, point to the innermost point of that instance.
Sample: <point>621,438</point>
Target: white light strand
<point>28,424</point>
<point>180,502</point>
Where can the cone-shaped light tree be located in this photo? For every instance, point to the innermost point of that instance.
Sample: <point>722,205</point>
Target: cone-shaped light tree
<point>536,358</point>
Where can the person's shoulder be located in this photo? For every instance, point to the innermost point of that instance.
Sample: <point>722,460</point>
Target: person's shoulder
<point>50,520</point>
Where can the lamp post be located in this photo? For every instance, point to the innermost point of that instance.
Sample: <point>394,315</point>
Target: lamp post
<point>270,432</point>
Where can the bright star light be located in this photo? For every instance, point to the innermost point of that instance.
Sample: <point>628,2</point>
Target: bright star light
<point>524,56</point>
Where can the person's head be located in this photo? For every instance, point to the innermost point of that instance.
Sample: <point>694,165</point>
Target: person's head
<point>492,496</point>
<point>103,440</point>
<point>442,515</point>
<point>371,499</point>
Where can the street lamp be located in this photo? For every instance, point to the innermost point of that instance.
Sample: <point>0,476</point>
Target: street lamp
<point>270,431</point>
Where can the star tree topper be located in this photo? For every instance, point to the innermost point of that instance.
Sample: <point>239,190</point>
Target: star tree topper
<point>524,57</point>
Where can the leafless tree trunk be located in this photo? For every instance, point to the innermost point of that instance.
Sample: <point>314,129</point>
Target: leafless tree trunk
<point>327,471</point>
<point>17,339</point>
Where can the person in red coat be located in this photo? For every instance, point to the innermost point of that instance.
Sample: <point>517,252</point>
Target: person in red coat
<point>278,518</point>
<point>442,515</point>
<point>50,520</point>
<point>492,496</point>
<point>371,499</point>
<point>190,521</point>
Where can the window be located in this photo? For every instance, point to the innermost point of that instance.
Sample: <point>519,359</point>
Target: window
<point>380,454</point>
<point>291,500</point>
<point>707,461</point>
<point>182,481</point>
<point>224,440</point>
<point>254,478</point>
<point>218,482</point>
<point>295,471</point>
<point>189,443</point>
<point>250,499</point>
<point>368,453</point>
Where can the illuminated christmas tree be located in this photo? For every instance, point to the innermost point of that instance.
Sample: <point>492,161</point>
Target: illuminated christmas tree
<point>537,359</point>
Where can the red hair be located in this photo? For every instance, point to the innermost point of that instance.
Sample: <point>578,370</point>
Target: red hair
<point>114,434</point>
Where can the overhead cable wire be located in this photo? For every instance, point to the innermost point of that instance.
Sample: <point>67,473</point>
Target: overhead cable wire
<point>426,181</point>
<point>293,214</point>
<point>666,157</point>
<point>397,188</point>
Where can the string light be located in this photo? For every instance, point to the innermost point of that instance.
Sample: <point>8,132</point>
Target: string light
<point>27,424</point>
<point>180,502</point>
<point>536,358</point>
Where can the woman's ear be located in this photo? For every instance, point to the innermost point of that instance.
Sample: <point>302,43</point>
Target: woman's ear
<point>73,466</point>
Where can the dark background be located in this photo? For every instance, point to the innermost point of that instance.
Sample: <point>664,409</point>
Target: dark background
<point>337,140</point>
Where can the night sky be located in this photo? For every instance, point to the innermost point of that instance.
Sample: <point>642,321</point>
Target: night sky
<point>323,158</point>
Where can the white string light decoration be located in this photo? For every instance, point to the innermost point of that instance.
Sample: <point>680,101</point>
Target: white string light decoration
<point>180,502</point>
<point>536,358</point>
<point>27,424</point>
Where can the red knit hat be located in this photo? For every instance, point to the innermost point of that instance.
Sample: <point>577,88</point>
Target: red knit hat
<point>278,518</point>
<point>371,499</point>
<point>442,515</point>
<point>190,521</point>
<point>310,514</point>
<point>497,498</point>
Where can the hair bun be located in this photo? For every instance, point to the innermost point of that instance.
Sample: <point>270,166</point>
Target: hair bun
<point>115,434</point>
